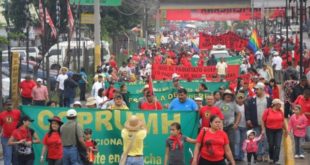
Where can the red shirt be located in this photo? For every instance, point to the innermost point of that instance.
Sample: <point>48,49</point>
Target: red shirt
<point>273,119</point>
<point>9,121</point>
<point>26,87</point>
<point>213,144</point>
<point>89,144</point>
<point>305,105</point>
<point>275,93</point>
<point>206,112</point>
<point>113,64</point>
<point>22,133</point>
<point>54,145</point>
<point>151,106</point>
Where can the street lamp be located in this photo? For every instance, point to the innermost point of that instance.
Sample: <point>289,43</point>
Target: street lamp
<point>288,14</point>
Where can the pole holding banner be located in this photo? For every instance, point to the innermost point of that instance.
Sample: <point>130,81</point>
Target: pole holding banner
<point>97,35</point>
<point>15,78</point>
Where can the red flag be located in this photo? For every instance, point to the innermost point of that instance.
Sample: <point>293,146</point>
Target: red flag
<point>41,14</point>
<point>50,23</point>
<point>151,85</point>
<point>296,51</point>
<point>70,17</point>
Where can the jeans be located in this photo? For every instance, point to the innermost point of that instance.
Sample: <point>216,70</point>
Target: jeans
<point>82,91</point>
<point>68,102</point>
<point>70,156</point>
<point>287,109</point>
<point>61,97</point>
<point>54,162</point>
<point>134,160</point>
<point>39,102</point>
<point>7,151</point>
<point>26,101</point>
<point>298,142</point>
<point>259,63</point>
<point>240,136</point>
<point>308,134</point>
<point>274,137</point>
<point>230,131</point>
<point>203,161</point>
<point>262,144</point>
<point>278,76</point>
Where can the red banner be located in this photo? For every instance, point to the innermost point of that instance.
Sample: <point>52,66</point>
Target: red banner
<point>164,72</point>
<point>242,14</point>
<point>230,39</point>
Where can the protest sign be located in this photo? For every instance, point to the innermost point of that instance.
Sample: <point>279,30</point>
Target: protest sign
<point>231,40</point>
<point>161,72</point>
<point>107,126</point>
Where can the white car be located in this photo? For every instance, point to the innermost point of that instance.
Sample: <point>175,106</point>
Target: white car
<point>219,51</point>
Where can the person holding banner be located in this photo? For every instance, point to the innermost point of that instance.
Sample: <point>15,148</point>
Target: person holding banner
<point>182,103</point>
<point>212,144</point>
<point>151,102</point>
<point>52,143</point>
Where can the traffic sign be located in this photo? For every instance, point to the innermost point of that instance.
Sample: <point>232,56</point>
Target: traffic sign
<point>102,2</point>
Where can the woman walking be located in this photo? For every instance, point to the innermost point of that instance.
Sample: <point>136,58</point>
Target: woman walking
<point>273,125</point>
<point>212,144</point>
<point>22,138</point>
<point>52,143</point>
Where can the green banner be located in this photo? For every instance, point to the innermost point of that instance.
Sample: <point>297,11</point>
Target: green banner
<point>165,92</point>
<point>107,126</point>
<point>102,2</point>
<point>234,60</point>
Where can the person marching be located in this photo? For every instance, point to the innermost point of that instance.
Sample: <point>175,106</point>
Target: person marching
<point>298,125</point>
<point>133,136</point>
<point>175,146</point>
<point>250,145</point>
<point>212,144</point>
<point>52,143</point>
<point>23,137</point>
<point>91,146</point>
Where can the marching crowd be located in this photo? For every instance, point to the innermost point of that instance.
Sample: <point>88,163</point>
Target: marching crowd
<point>245,119</point>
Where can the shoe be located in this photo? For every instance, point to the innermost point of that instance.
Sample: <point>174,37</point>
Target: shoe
<point>297,156</point>
<point>277,163</point>
<point>302,156</point>
<point>249,163</point>
<point>259,159</point>
<point>265,158</point>
<point>270,161</point>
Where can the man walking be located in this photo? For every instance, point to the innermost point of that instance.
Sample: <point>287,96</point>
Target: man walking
<point>26,87</point>
<point>69,90</point>
<point>182,103</point>
<point>9,119</point>
<point>60,81</point>
<point>253,116</point>
<point>277,66</point>
<point>39,94</point>
<point>71,136</point>
<point>221,68</point>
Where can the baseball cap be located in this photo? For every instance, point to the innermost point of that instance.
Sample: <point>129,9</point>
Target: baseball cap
<point>39,80</point>
<point>260,85</point>
<point>71,113</point>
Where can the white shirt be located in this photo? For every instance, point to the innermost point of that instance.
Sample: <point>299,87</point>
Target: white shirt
<point>97,85</point>
<point>244,67</point>
<point>148,68</point>
<point>61,79</point>
<point>221,68</point>
<point>263,73</point>
<point>278,62</point>
<point>100,100</point>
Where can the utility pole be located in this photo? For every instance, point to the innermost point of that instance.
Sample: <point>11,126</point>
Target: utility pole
<point>287,22</point>
<point>28,21</point>
<point>301,51</point>
<point>7,18</point>
<point>145,24</point>
<point>57,28</point>
<point>97,35</point>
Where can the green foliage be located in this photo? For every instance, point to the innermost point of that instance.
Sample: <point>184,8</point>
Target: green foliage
<point>3,41</point>
<point>17,15</point>
<point>17,35</point>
